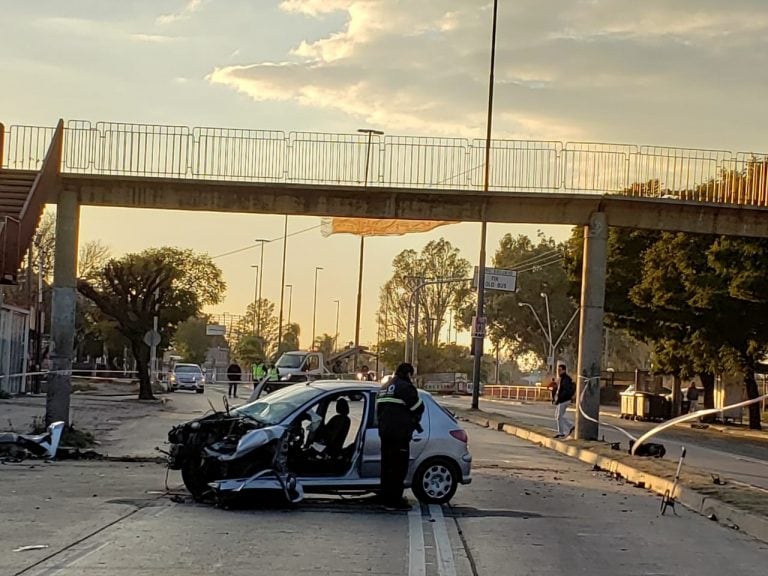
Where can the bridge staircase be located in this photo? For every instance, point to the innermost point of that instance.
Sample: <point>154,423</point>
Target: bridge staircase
<point>23,194</point>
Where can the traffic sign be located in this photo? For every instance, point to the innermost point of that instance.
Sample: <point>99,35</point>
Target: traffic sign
<point>479,326</point>
<point>498,279</point>
<point>215,330</point>
<point>152,338</point>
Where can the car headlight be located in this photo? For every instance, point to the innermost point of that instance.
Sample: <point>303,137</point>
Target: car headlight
<point>173,378</point>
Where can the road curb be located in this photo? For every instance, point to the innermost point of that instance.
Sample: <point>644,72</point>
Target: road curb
<point>697,500</point>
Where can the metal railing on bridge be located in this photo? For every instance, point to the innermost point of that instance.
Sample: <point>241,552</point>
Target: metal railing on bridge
<point>396,161</point>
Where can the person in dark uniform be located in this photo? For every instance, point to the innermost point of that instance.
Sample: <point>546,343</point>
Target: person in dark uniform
<point>234,373</point>
<point>399,410</point>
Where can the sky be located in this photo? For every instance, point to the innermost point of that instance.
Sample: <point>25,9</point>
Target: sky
<point>688,73</point>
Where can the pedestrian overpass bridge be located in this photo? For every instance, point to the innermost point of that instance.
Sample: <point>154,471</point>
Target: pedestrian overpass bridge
<point>368,176</point>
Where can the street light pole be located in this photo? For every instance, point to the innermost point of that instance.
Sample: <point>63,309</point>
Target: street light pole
<point>256,298</point>
<point>479,338</point>
<point>261,278</point>
<point>547,335</point>
<point>336,334</point>
<point>290,301</point>
<point>282,284</point>
<point>551,355</point>
<point>314,308</point>
<point>370,134</point>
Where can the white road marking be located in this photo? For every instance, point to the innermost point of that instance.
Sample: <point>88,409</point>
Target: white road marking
<point>417,564</point>
<point>72,561</point>
<point>445,563</point>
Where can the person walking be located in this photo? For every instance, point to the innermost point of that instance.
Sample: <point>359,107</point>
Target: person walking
<point>565,392</point>
<point>399,410</point>
<point>692,395</point>
<point>234,373</point>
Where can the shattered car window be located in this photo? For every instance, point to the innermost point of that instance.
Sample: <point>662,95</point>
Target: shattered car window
<point>274,408</point>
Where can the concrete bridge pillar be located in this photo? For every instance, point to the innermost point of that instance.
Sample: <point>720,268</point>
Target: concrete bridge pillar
<point>587,375</point>
<point>63,307</point>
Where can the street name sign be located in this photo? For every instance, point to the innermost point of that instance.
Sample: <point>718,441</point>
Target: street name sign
<point>498,279</point>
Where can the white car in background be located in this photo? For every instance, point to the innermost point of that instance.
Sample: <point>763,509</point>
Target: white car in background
<point>186,377</point>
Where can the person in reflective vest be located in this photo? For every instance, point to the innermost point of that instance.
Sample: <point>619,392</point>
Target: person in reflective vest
<point>399,410</point>
<point>273,373</point>
<point>259,371</point>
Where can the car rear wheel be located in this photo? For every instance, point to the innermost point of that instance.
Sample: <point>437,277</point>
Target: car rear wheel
<point>436,481</point>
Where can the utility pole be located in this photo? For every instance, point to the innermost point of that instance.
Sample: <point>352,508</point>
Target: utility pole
<point>336,334</point>
<point>261,279</point>
<point>478,339</point>
<point>282,284</point>
<point>314,308</point>
<point>370,134</point>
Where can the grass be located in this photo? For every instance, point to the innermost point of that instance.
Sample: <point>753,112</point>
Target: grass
<point>4,395</point>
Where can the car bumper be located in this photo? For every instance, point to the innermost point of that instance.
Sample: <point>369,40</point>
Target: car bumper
<point>188,386</point>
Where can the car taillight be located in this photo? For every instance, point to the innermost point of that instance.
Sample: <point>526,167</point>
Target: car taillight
<point>460,435</point>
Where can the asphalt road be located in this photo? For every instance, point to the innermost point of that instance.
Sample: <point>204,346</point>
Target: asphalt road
<point>739,459</point>
<point>528,511</point>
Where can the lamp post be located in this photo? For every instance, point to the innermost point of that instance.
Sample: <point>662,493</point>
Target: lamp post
<point>290,300</point>
<point>282,284</point>
<point>336,334</point>
<point>480,313</point>
<point>314,308</point>
<point>551,356</point>
<point>370,134</point>
<point>262,241</point>
<point>548,334</point>
<point>256,298</point>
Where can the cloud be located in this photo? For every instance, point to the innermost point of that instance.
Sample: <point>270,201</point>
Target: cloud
<point>152,38</point>
<point>185,13</point>
<point>615,70</point>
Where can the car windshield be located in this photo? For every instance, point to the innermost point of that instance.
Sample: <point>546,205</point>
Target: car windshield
<point>290,361</point>
<point>274,408</point>
<point>187,370</point>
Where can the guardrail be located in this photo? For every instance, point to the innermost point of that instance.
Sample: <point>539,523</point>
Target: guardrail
<point>396,161</point>
<point>518,393</point>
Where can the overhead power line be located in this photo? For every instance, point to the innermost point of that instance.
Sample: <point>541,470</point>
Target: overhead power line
<point>252,246</point>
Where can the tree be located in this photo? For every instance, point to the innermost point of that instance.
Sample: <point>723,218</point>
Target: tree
<point>325,345</point>
<point>259,315</point>
<point>250,350</point>
<point>136,287</point>
<point>92,257</point>
<point>438,260</point>
<point>291,333</point>
<point>191,341</point>
<point>540,270</point>
<point>699,300</point>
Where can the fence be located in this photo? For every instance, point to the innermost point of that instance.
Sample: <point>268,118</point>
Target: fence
<point>395,161</point>
<point>520,393</point>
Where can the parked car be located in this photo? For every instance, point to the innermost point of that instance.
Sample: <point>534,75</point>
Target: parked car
<point>186,377</point>
<point>318,437</point>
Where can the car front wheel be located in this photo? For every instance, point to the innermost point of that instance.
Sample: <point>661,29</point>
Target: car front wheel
<point>435,482</point>
<point>199,390</point>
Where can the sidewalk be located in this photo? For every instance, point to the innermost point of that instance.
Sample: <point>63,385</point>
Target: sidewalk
<point>733,504</point>
<point>122,425</point>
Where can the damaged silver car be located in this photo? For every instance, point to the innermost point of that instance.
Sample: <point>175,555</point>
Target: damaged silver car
<point>318,437</point>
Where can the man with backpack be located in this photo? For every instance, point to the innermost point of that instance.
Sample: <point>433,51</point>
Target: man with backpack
<point>566,389</point>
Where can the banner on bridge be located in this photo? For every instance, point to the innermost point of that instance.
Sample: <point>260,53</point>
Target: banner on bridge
<point>377,227</point>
